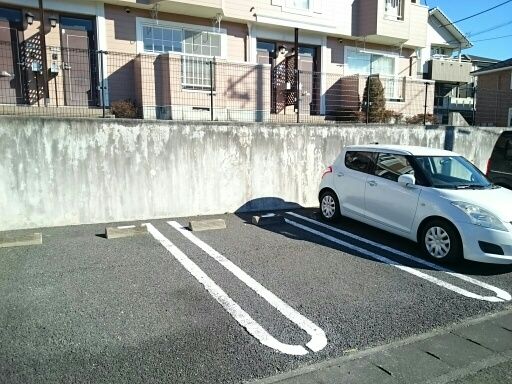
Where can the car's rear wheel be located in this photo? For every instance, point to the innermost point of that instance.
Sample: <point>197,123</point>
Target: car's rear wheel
<point>440,240</point>
<point>329,206</point>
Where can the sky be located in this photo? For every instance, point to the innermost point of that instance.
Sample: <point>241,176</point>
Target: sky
<point>497,48</point>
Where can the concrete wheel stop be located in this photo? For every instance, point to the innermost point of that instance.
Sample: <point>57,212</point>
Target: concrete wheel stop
<point>19,240</point>
<point>127,231</point>
<point>206,225</point>
<point>267,219</point>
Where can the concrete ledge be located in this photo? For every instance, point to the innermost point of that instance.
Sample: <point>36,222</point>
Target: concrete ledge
<point>7,241</point>
<point>119,232</point>
<point>268,219</point>
<point>206,225</point>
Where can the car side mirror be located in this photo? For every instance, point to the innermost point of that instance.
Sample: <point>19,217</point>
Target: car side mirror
<point>407,180</point>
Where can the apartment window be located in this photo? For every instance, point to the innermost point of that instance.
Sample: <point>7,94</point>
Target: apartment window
<point>197,48</point>
<point>192,42</point>
<point>299,4</point>
<point>366,63</point>
<point>394,9</point>
<point>438,51</point>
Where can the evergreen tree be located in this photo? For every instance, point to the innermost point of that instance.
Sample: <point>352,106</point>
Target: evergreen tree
<point>377,111</point>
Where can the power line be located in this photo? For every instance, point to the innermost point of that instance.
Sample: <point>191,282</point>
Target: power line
<point>478,14</point>
<point>493,38</point>
<point>490,29</point>
<point>493,28</point>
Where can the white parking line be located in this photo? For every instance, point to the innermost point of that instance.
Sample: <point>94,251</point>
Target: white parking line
<point>318,340</point>
<point>501,295</point>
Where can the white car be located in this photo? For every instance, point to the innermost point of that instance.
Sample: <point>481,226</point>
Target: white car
<point>434,197</point>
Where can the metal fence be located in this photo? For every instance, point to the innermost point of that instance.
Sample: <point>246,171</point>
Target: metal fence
<point>88,83</point>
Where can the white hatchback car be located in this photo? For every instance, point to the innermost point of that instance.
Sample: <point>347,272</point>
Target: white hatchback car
<point>434,197</point>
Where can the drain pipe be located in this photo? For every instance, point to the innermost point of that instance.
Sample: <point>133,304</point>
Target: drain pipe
<point>43,53</point>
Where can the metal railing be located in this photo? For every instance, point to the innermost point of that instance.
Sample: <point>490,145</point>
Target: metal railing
<point>89,83</point>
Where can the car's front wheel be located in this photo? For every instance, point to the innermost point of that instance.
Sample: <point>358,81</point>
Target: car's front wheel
<point>440,240</point>
<point>329,206</point>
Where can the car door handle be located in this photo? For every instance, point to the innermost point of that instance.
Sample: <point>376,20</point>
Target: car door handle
<point>372,183</point>
<point>340,174</point>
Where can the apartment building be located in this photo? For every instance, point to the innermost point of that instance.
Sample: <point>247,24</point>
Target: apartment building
<point>494,94</point>
<point>160,55</point>
<point>444,63</point>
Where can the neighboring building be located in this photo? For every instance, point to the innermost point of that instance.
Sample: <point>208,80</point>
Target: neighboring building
<point>451,74</point>
<point>160,54</point>
<point>494,94</point>
<point>478,62</point>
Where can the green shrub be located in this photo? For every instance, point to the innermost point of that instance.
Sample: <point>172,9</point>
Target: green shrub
<point>124,109</point>
<point>418,119</point>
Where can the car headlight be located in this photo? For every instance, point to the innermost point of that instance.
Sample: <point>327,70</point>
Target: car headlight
<point>480,216</point>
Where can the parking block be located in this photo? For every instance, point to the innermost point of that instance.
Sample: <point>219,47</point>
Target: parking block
<point>119,232</point>
<point>268,219</point>
<point>206,225</point>
<point>7,241</point>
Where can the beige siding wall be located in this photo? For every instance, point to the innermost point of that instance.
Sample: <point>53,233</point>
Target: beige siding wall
<point>122,43</point>
<point>241,91</point>
<point>122,35</point>
<point>418,27</point>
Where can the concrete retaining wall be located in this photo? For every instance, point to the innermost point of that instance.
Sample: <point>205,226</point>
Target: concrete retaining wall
<point>75,171</point>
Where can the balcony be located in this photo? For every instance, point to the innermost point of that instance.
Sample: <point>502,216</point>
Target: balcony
<point>200,8</point>
<point>391,22</point>
<point>449,70</point>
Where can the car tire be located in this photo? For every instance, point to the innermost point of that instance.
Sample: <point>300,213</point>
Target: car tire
<point>329,206</point>
<point>441,241</point>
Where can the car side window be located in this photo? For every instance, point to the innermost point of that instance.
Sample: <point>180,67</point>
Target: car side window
<point>359,161</point>
<point>508,150</point>
<point>391,167</point>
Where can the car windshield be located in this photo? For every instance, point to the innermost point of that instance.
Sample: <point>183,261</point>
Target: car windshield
<point>452,172</point>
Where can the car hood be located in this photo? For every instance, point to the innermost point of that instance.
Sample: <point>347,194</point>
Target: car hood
<point>497,201</point>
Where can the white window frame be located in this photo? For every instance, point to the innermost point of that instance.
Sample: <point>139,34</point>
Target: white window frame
<point>370,52</point>
<point>141,22</point>
<point>144,22</point>
<point>393,78</point>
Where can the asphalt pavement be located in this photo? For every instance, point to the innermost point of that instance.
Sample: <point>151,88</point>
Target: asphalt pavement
<point>224,306</point>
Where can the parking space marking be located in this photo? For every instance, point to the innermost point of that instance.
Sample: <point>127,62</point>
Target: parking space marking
<point>501,295</point>
<point>318,339</point>
<point>242,317</point>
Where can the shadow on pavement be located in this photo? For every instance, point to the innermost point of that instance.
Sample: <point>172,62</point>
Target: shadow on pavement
<point>279,206</point>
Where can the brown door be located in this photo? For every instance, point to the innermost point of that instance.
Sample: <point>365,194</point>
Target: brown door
<point>10,73</point>
<point>78,62</point>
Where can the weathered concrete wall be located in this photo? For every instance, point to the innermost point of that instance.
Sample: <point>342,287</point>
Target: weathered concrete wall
<point>74,171</point>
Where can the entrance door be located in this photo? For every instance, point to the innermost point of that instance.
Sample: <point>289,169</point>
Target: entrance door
<point>10,71</point>
<point>79,61</point>
<point>307,80</point>
<point>266,54</point>
<point>509,117</point>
